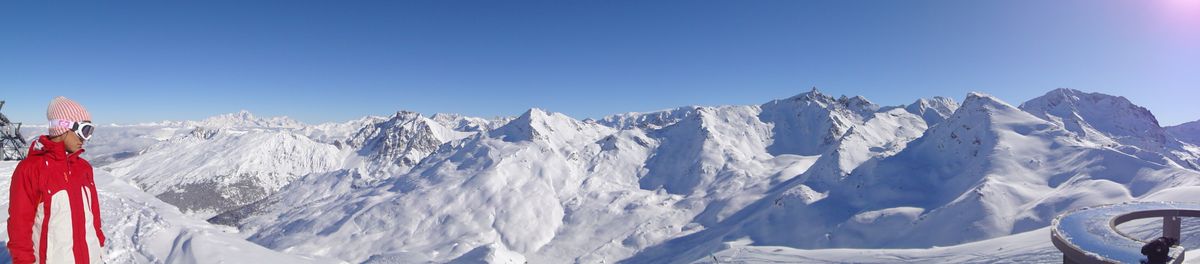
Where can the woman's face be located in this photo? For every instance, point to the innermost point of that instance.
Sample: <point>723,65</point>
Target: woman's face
<point>72,142</point>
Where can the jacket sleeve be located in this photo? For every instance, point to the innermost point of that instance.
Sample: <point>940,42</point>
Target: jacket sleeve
<point>22,205</point>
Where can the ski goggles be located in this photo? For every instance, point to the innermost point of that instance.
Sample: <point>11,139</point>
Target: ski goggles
<point>82,129</point>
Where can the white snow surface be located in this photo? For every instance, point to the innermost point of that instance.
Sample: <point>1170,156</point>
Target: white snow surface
<point>1027,247</point>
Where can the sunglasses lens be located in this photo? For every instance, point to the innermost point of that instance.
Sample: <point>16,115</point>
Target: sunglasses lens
<point>86,131</point>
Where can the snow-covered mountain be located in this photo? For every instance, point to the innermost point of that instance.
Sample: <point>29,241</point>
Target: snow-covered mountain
<point>393,146</point>
<point>993,170</point>
<point>933,110</point>
<point>251,164</point>
<point>515,179</point>
<point>1101,118</point>
<point>1114,122</point>
<point>987,171</point>
<point>337,133</point>
<point>258,156</point>
<point>467,123</point>
<point>1187,132</point>
<point>809,123</point>
<point>882,134</point>
<point>244,118</point>
<point>787,178</point>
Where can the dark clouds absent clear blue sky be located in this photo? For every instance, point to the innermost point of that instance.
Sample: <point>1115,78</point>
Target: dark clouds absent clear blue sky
<point>317,61</point>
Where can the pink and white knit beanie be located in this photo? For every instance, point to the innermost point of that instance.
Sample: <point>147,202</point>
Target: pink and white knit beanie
<point>62,112</point>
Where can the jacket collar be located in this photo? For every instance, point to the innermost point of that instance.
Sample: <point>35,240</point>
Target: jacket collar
<point>51,149</point>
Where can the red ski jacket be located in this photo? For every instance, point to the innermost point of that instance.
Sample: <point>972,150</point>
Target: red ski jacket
<point>54,211</point>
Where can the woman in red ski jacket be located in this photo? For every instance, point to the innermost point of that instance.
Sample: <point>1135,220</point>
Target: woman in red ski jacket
<point>54,210</point>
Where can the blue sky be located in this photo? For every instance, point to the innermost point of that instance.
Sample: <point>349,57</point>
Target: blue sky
<point>318,61</point>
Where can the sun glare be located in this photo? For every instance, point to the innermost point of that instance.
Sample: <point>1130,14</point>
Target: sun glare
<point>1182,10</point>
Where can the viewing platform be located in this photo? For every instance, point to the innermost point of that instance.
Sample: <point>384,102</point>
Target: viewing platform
<point>1090,235</point>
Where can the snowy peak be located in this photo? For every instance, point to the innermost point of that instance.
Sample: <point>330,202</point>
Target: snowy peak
<point>651,120</point>
<point>244,118</point>
<point>974,130</point>
<point>981,102</point>
<point>807,124</point>
<point>814,97</point>
<point>537,124</point>
<point>885,134</point>
<point>683,163</point>
<point>338,132</point>
<point>811,95</point>
<point>971,125</point>
<point>858,104</point>
<point>462,123</point>
<point>1187,132</point>
<point>1099,117</point>
<point>933,110</point>
<point>406,115</point>
<point>403,140</point>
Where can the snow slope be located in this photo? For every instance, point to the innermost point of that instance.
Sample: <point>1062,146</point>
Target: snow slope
<point>141,229</point>
<point>1027,247</point>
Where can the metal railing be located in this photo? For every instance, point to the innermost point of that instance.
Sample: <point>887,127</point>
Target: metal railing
<point>1090,235</point>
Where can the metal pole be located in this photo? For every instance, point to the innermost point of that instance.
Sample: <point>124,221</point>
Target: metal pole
<point>1171,226</point>
<point>1067,260</point>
